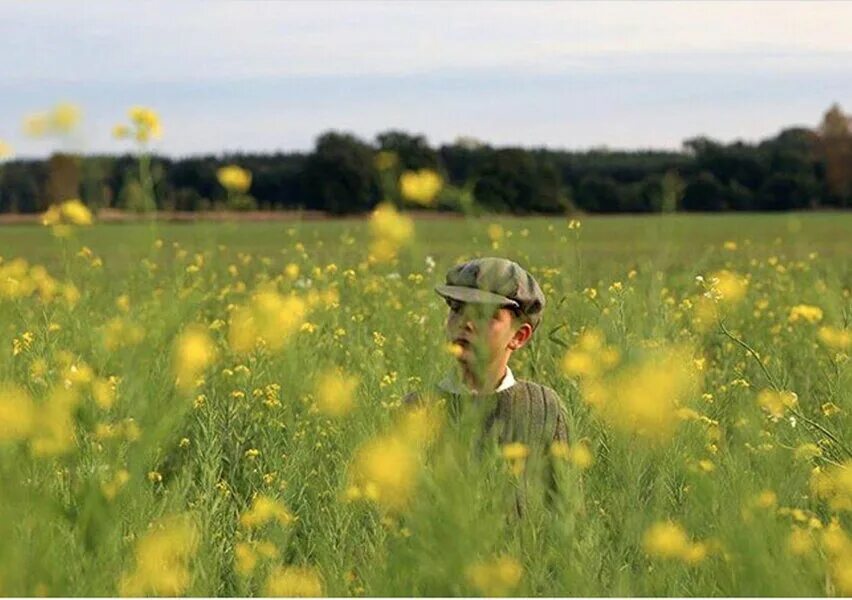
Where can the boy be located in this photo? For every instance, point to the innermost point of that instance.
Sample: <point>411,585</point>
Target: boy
<point>495,307</point>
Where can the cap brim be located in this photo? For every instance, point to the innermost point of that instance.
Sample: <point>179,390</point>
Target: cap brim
<point>467,294</point>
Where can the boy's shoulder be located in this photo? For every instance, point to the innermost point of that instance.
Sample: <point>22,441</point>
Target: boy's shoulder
<point>522,388</point>
<point>532,389</point>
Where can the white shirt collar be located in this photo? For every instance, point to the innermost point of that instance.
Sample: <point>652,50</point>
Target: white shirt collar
<point>451,383</point>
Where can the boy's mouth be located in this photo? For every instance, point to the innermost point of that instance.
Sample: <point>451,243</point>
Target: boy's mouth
<point>464,343</point>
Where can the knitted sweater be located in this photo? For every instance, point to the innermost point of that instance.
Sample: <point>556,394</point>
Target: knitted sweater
<point>527,412</point>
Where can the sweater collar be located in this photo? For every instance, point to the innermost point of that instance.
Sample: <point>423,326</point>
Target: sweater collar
<point>451,383</point>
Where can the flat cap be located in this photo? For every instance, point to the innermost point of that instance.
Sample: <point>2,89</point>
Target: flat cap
<point>493,280</point>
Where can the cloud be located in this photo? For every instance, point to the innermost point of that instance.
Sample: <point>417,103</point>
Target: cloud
<point>210,40</point>
<point>267,75</point>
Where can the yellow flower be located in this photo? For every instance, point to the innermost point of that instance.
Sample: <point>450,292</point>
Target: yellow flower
<point>807,451</point>
<point>385,160</point>
<point>665,540</point>
<point>390,231</point>
<point>111,488</point>
<point>61,120</point>
<point>61,216</point>
<point>496,577</point>
<point>579,364</point>
<point>53,428</point>
<point>146,123</point>
<point>294,581</point>
<point>515,451</point>
<point>644,398</point>
<point>17,414</point>
<point>5,150</point>
<point>36,125</point>
<point>123,303</point>
<point>516,454</point>
<point>829,409</point>
<point>839,339</point>
<point>420,187</point>
<point>495,232</point>
<point>269,317</point>
<point>729,286</point>
<point>245,559</point>
<point>121,131</point>
<point>162,559</point>
<point>834,485</point>
<point>234,178</point>
<point>421,424</point>
<point>800,542</point>
<point>581,456</point>
<point>103,391</point>
<point>453,349</point>
<point>805,312</point>
<point>292,271</point>
<point>264,510</point>
<point>65,117</point>
<point>384,470</point>
<point>194,351</point>
<point>774,402</point>
<point>75,212</point>
<point>335,393</point>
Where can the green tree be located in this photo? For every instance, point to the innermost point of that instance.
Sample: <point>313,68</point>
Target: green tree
<point>340,176</point>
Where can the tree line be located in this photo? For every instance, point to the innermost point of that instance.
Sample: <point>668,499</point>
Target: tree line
<point>799,168</point>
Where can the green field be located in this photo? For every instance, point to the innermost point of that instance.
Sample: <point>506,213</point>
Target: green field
<point>726,413</point>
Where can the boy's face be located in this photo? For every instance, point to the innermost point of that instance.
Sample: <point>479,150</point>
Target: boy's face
<point>486,333</point>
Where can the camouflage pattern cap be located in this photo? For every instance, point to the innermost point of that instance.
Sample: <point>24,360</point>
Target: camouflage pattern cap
<point>493,280</point>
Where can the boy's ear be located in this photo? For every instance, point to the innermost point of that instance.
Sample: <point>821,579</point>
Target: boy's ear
<point>521,337</point>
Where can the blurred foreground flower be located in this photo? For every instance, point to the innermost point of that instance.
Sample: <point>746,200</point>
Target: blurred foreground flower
<point>294,581</point>
<point>194,351</point>
<point>516,455</point>
<point>496,577</point>
<point>234,178</point>
<point>390,230</point>
<point>838,339</point>
<point>577,454</point>
<point>776,402</point>
<point>420,187</point>
<point>264,510</point>
<point>590,356</point>
<point>385,160</point>
<point>53,431</point>
<point>62,217</point>
<point>335,393</point>
<point>144,125</point>
<point>162,559</point>
<point>834,485</point>
<point>668,540</point>
<point>805,312</point>
<point>62,119</point>
<point>838,548</point>
<point>5,150</point>
<point>17,413</point>
<point>268,318</point>
<point>727,286</point>
<point>384,470</point>
<point>643,398</point>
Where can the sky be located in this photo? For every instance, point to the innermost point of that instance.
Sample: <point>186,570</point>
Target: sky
<point>246,76</point>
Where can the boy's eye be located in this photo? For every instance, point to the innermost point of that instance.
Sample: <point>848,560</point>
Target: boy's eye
<point>455,305</point>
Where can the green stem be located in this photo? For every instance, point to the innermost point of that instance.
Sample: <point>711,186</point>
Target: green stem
<point>775,386</point>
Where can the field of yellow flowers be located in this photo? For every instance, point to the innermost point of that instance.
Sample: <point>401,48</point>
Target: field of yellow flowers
<point>215,409</point>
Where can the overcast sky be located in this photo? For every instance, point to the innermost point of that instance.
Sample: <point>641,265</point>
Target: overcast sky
<point>229,76</point>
